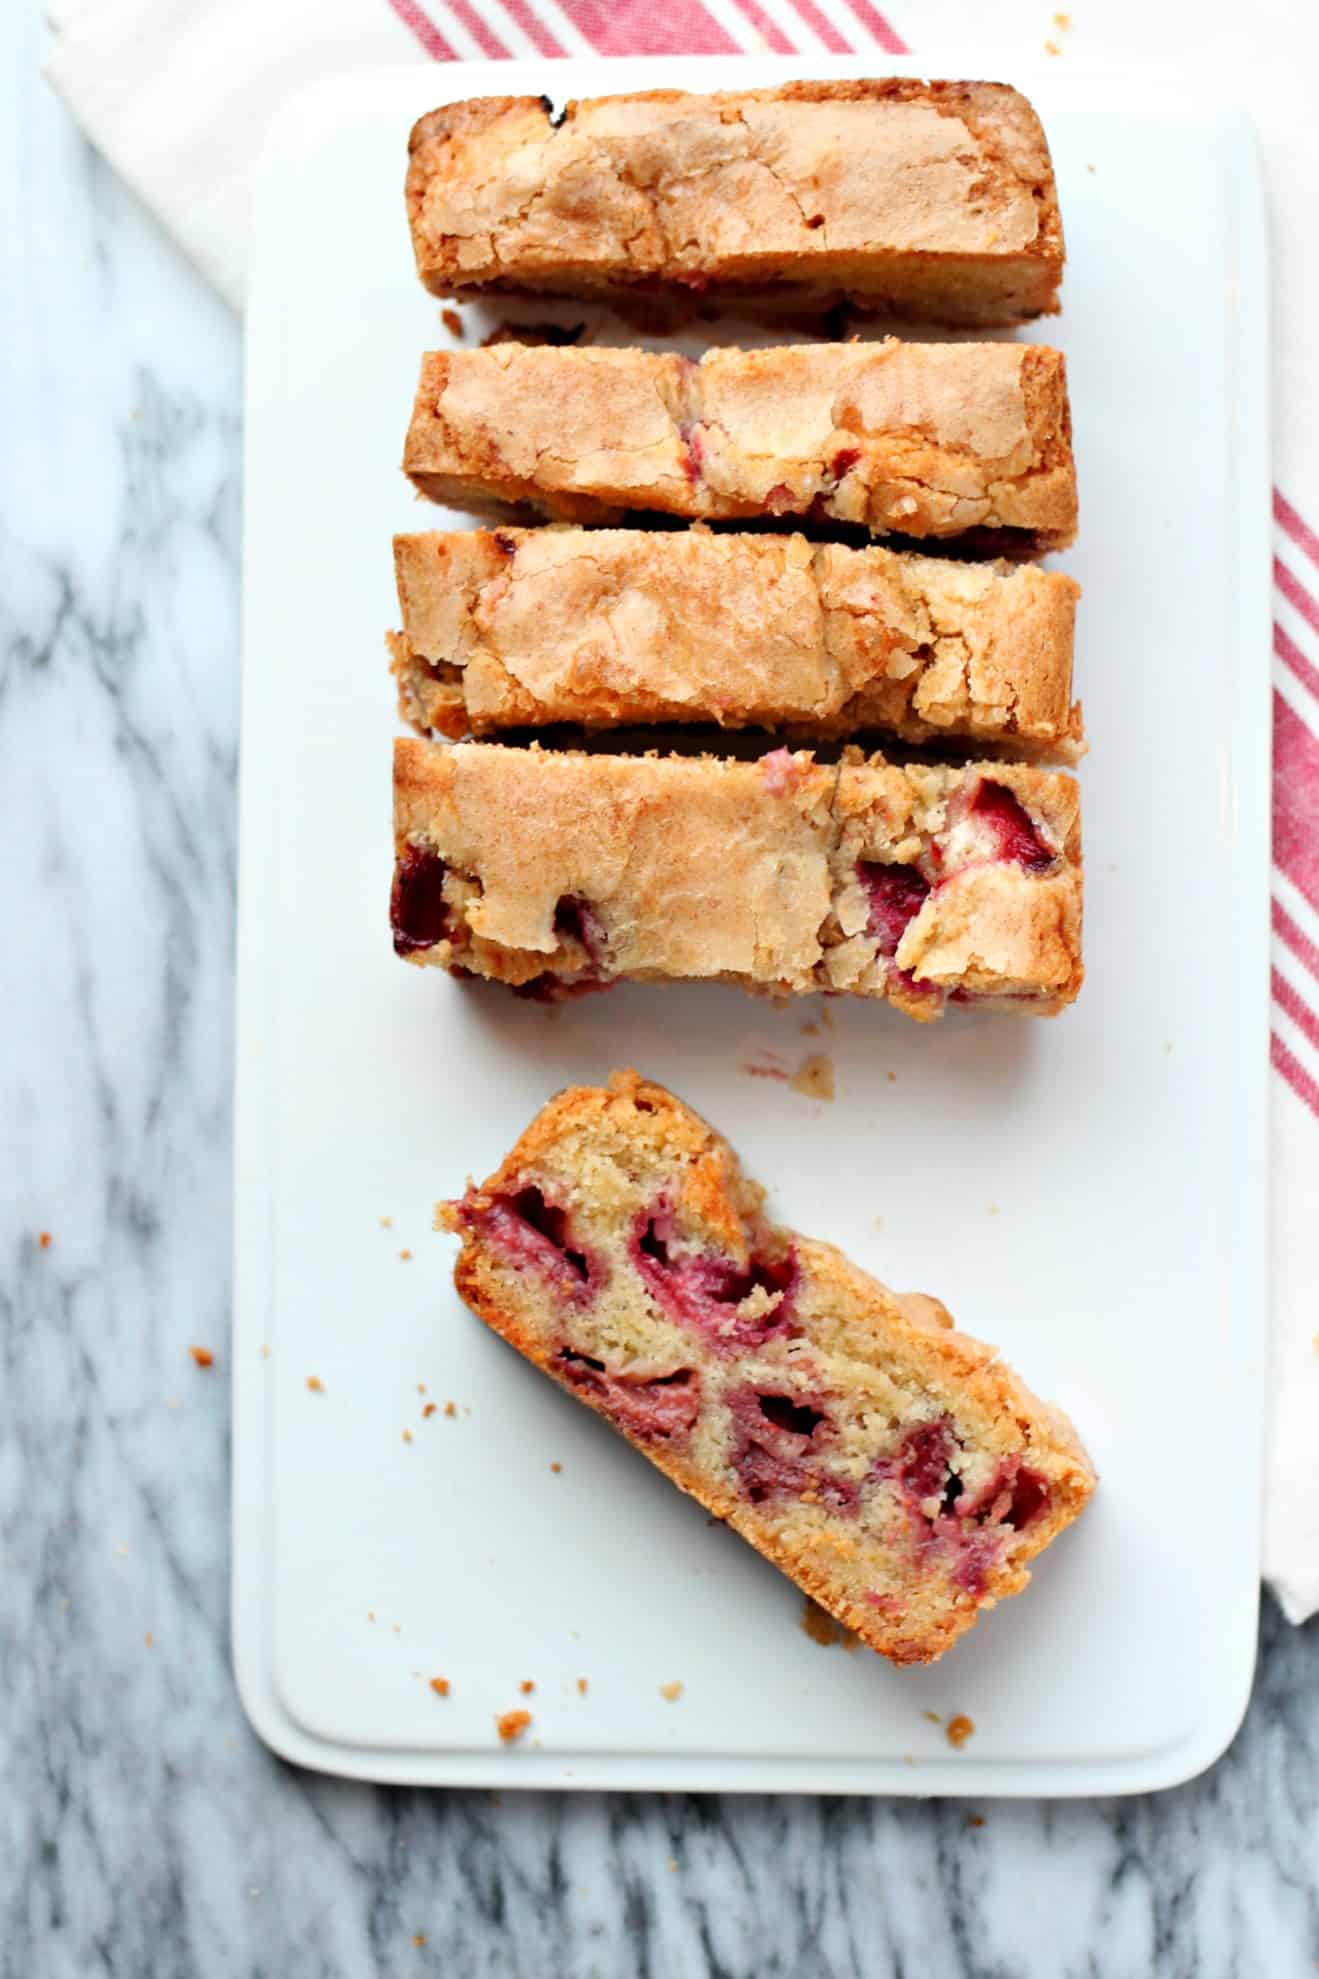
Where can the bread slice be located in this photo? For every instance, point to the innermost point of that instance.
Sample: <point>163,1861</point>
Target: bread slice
<point>557,872</point>
<point>895,1469</point>
<point>928,200</point>
<point>516,628</point>
<point>920,440</point>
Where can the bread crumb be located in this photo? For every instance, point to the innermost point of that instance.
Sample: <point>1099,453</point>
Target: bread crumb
<point>958,1730</point>
<point>992,1208</point>
<point>370,1614</point>
<point>814,1077</point>
<point>1052,48</point>
<point>878,1222</point>
<point>526,1686</point>
<point>975,1820</point>
<point>1063,21</point>
<point>1315,1343</point>
<point>316,1385</point>
<point>1092,168</point>
<point>933,1717</point>
<point>449,1409</point>
<point>440,1685</point>
<point>556,1468</point>
<point>386,1223</point>
<point>452,322</point>
<point>149,1640</point>
<point>581,1686</point>
<point>45,1239</point>
<point>511,1724</point>
<point>810,1030</point>
<point>671,1691</point>
<point>203,1356</point>
<point>767,1071</point>
<point>892,1078</point>
<point>428,1411</point>
<point>407,1436</point>
<point>405,1257</point>
<point>265,1353</point>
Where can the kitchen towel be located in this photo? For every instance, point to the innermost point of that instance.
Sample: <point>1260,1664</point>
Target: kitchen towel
<point>179,94</point>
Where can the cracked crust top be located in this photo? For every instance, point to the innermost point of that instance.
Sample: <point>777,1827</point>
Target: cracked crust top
<point>934,199</point>
<point>561,871</point>
<point>516,627</point>
<point>926,440</point>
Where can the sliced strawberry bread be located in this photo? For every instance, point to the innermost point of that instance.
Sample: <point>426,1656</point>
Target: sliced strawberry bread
<point>894,1468</point>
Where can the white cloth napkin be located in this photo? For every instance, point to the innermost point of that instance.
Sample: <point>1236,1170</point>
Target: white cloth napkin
<point>179,93</point>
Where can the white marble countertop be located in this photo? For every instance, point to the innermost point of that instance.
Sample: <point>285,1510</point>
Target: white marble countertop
<point>144,1829</point>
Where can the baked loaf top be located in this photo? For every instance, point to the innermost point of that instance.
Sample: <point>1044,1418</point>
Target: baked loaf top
<point>561,871</point>
<point>896,1469</point>
<point>868,188</point>
<point>516,627</point>
<point>917,439</point>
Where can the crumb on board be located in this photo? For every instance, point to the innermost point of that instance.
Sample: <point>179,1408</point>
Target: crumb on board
<point>316,1385</point>
<point>511,1725</point>
<point>428,1411</point>
<point>556,1468</point>
<point>582,1686</point>
<point>814,1076</point>
<point>449,1409</point>
<point>405,1257</point>
<point>671,1691</point>
<point>452,322</point>
<point>45,1239</point>
<point>440,1685</point>
<point>958,1730</point>
<point>203,1356</point>
<point>527,1686</point>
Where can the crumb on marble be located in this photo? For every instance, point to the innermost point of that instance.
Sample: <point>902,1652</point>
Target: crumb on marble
<point>452,322</point>
<point>511,1725</point>
<point>405,1257</point>
<point>428,1411</point>
<point>315,1384</point>
<point>419,1937</point>
<point>582,1686</point>
<point>370,1614</point>
<point>265,1352</point>
<point>386,1223</point>
<point>407,1436</point>
<point>1092,168</point>
<point>975,1820</point>
<point>933,1717</point>
<point>45,1239</point>
<point>440,1685</point>
<point>527,1686</point>
<point>1063,21</point>
<point>449,1409</point>
<point>556,1468</point>
<point>203,1356</point>
<point>671,1692</point>
<point>958,1730</point>
<point>1052,48</point>
<point>814,1076</point>
<point>149,1640</point>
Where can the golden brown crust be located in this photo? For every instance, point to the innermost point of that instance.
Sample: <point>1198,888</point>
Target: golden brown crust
<point>601,1152</point>
<point>921,440</point>
<point>564,870</point>
<point>516,628</point>
<point>933,200</point>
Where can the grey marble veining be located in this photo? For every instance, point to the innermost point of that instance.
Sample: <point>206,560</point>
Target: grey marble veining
<point>143,1829</point>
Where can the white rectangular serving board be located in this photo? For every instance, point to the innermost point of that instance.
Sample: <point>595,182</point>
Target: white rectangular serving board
<point>1088,1193</point>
